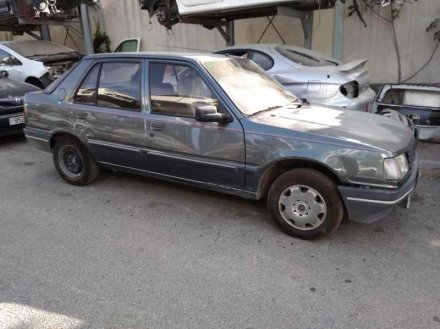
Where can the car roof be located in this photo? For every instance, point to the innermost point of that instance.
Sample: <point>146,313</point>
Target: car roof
<point>158,55</point>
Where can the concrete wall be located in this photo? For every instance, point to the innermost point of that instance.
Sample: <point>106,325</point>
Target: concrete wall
<point>123,19</point>
<point>376,42</point>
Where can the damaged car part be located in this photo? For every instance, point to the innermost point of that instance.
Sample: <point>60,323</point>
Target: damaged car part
<point>420,103</point>
<point>211,13</point>
<point>36,62</point>
<point>312,76</point>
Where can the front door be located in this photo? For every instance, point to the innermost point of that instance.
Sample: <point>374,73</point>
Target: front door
<point>107,113</point>
<point>180,146</point>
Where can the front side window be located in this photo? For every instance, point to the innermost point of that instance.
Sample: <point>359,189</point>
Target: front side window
<point>177,90</point>
<point>86,93</point>
<point>120,86</point>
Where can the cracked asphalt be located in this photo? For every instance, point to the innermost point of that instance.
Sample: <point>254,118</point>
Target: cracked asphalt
<point>133,252</point>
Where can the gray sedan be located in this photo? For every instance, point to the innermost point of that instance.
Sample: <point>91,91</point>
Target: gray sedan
<point>223,124</point>
<point>312,76</point>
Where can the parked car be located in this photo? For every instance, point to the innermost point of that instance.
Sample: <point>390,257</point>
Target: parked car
<point>221,123</point>
<point>312,76</point>
<point>419,102</point>
<point>11,104</point>
<point>36,62</point>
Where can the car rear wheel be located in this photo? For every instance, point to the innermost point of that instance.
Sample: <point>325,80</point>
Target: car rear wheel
<point>74,162</point>
<point>305,203</point>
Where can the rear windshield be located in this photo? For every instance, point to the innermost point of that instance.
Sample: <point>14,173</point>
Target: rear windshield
<point>305,59</point>
<point>36,48</point>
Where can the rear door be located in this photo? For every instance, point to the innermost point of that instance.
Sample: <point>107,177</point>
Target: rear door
<point>180,146</point>
<point>108,113</point>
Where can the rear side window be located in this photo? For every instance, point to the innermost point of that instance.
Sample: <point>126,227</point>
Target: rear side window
<point>86,93</point>
<point>262,60</point>
<point>120,86</point>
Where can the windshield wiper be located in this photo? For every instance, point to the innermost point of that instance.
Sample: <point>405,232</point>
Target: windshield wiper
<point>270,108</point>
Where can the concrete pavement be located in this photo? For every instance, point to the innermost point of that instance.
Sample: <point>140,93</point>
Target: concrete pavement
<point>132,252</point>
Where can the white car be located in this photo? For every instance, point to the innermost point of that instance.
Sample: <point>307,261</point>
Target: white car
<point>312,76</point>
<point>36,62</point>
<point>170,12</point>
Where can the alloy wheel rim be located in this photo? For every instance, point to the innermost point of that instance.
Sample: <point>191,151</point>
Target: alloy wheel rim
<point>302,207</point>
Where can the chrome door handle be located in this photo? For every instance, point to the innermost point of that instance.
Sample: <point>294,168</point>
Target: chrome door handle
<point>157,126</point>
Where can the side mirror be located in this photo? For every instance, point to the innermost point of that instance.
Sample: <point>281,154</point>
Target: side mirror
<point>208,113</point>
<point>4,74</point>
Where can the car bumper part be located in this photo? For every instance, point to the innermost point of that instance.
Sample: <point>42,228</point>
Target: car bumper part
<point>5,127</point>
<point>40,139</point>
<point>367,205</point>
<point>364,102</point>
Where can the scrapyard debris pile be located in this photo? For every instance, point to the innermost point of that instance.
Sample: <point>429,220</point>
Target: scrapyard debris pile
<point>39,9</point>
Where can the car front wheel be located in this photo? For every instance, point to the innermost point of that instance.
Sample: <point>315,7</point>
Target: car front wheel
<point>73,162</point>
<point>305,203</point>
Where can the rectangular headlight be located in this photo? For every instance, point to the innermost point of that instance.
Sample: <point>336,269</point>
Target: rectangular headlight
<point>396,168</point>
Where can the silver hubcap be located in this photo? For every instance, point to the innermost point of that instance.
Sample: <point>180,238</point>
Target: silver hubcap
<point>302,207</point>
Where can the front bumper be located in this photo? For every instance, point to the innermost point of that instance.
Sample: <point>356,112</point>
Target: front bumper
<point>367,205</point>
<point>6,129</point>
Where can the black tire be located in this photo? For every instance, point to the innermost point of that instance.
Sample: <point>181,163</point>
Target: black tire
<point>328,195</point>
<point>84,169</point>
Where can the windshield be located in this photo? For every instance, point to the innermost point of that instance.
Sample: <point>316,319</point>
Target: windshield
<point>37,48</point>
<point>305,59</point>
<point>248,86</point>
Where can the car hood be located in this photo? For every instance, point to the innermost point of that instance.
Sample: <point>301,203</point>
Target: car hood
<point>50,59</point>
<point>12,88</point>
<point>366,130</point>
